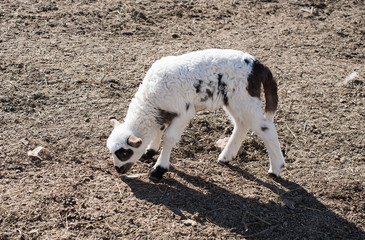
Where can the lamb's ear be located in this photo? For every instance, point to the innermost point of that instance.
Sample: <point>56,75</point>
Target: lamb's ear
<point>134,141</point>
<point>114,122</point>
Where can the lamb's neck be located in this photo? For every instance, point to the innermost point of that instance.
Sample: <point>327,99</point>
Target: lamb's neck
<point>141,123</point>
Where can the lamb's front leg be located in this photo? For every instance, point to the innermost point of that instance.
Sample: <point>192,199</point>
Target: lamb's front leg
<point>163,162</point>
<point>171,137</point>
<point>152,148</point>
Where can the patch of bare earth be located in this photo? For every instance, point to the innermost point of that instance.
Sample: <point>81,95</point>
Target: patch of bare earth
<point>66,67</point>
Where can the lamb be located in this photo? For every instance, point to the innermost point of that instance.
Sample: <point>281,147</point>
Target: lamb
<point>176,87</point>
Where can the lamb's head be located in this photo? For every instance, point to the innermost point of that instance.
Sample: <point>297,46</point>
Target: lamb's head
<point>125,147</point>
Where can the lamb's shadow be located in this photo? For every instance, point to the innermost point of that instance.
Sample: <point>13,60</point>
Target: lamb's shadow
<point>299,216</point>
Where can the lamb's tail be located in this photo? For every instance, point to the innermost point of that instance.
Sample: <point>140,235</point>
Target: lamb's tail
<point>271,94</point>
<point>262,74</point>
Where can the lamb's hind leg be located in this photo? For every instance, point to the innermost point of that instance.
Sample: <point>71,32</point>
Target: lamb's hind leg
<point>267,132</point>
<point>251,117</point>
<point>171,137</point>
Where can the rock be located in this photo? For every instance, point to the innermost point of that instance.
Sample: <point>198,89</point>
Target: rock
<point>39,152</point>
<point>221,143</point>
<point>175,36</point>
<point>189,222</point>
<point>289,204</point>
<point>351,77</point>
<point>133,176</point>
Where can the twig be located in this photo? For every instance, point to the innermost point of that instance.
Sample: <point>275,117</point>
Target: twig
<point>244,223</point>
<point>262,220</point>
<point>45,81</point>
<point>89,222</point>
<point>219,209</point>
<point>309,11</point>
<point>287,127</point>
<point>292,190</point>
<point>102,78</point>
<point>13,85</point>
<point>66,221</point>
<point>305,127</point>
<point>312,209</point>
<point>120,191</point>
<point>255,234</point>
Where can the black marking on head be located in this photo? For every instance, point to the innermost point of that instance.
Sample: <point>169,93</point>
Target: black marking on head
<point>165,117</point>
<point>222,88</point>
<point>264,128</point>
<point>187,106</point>
<point>198,85</point>
<point>149,154</point>
<point>157,173</point>
<point>124,168</point>
<point>247,61</point>
<point>123,154</point>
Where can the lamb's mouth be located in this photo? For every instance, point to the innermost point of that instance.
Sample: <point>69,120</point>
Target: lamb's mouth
<point>123,169</point>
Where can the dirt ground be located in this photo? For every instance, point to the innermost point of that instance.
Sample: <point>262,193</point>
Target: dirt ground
<point>66,67</point>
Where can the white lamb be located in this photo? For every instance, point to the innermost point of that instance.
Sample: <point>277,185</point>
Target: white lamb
<point>177,87</point>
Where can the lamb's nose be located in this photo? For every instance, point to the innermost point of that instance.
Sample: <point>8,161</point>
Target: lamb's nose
<point>119,169</point>
<point>123,169</point>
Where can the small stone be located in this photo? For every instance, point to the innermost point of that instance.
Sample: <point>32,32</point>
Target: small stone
<point>39,152</point>
<point>24,141</point>
<point>197,217</point>
<point>189,222</point>
<point>133,176</point>
<point>289,204</point>
<point>221,143</point>
<point>351,77</point>
<point>204,129</point>
<point>175,36</point>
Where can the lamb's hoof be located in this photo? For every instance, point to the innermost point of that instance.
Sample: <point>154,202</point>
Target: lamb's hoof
<point>149,154</point>
<point>157,173</point>
<point>224,160</point>
<point>273,175</point>
<point>223,163</point>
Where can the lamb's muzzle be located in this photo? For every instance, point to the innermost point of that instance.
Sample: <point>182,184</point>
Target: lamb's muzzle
<point>124,169</point>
